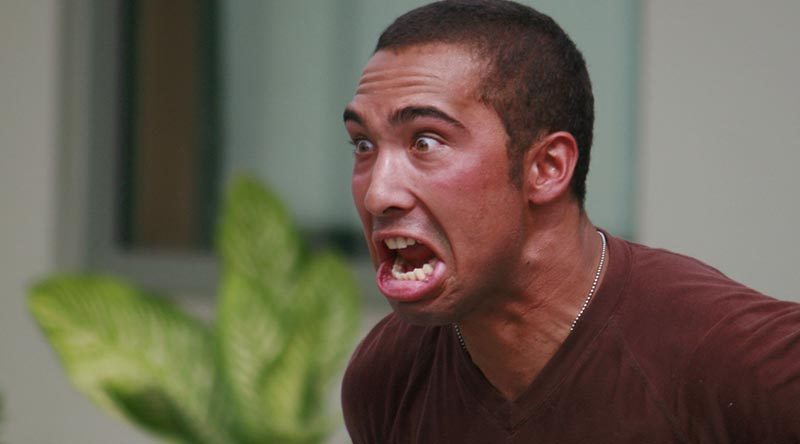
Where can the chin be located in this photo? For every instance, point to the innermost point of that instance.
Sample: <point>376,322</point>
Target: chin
<point>424,313</point>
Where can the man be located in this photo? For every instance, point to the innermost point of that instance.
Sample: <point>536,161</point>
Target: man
<point>515,319</point>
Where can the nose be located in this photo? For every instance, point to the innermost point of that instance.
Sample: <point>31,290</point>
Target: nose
<point>388,190</point>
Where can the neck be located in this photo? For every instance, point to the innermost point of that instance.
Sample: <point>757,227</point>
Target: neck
<point>513,336</point>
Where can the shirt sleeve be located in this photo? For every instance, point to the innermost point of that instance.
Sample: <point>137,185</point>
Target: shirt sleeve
<point>743,380</point>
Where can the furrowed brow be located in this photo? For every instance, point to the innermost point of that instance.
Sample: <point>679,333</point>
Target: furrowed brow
<point>410,113</point>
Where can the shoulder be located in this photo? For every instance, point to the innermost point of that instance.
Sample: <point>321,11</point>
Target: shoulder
<point>671,299</point>
<point>730,354</point>
<point>661,269</point>
<point>681,289</point>
<point>378,374</point>
<point>746,368</point>
<point>691,302</point>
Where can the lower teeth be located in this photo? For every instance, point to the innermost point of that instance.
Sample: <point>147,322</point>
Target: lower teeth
<point>417,274</point>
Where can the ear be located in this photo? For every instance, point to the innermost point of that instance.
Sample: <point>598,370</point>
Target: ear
<point>549,165</point>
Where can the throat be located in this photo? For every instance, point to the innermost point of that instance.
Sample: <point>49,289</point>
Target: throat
<point>509,362</point>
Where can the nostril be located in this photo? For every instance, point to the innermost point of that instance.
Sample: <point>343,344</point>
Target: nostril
<point>383,202</point>
<point>391,210</point>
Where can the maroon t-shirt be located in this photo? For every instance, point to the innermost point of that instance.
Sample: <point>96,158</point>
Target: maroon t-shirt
<point>670,350</point>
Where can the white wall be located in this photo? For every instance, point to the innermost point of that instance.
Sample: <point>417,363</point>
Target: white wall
<point>720,137</point>
<point>40,406</point>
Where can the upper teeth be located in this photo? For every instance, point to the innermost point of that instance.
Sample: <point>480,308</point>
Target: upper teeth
<point>397,243</point>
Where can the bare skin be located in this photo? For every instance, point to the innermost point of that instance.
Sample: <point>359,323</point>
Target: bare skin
<point>514,263</point>
<point>514,339</point>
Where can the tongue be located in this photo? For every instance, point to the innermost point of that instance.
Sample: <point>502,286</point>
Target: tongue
<point>416,255</point>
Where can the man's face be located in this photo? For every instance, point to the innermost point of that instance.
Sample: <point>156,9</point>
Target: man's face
<point>431,167</point>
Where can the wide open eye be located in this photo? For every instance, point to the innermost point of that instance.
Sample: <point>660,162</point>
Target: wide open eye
<point>424,144</point>
<point>362,146</point>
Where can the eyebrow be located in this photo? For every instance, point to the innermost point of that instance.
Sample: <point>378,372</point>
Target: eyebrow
<point>407,114</point>
<point>351,115</point>
<point>410,113</point>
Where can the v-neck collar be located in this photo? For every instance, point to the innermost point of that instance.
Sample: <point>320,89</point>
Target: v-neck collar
<point>510,414</point>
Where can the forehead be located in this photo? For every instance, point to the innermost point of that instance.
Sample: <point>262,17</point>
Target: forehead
<point>432,72</point>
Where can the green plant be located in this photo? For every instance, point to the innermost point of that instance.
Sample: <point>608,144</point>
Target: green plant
<point>259,374</point>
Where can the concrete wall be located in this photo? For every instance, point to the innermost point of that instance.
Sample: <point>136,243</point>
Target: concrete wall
<point>720,137</point>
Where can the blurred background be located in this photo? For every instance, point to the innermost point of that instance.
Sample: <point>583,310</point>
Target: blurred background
<point>120,121</point>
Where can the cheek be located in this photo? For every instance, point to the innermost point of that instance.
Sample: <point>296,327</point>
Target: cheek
<point>475,197</point>
<point>480,180</point>
<point>358,189</point>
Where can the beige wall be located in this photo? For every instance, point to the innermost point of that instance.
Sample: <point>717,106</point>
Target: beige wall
<point>40,407</point>
<point>720,137</point>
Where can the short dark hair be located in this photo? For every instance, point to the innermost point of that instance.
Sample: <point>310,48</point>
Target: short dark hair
<point>536,79</point>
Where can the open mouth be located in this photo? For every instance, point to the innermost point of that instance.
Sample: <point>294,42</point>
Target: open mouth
<point>413,261</point>
<point>410,269</point>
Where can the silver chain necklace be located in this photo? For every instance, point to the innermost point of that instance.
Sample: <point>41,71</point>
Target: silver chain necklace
<point>597,274</point>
